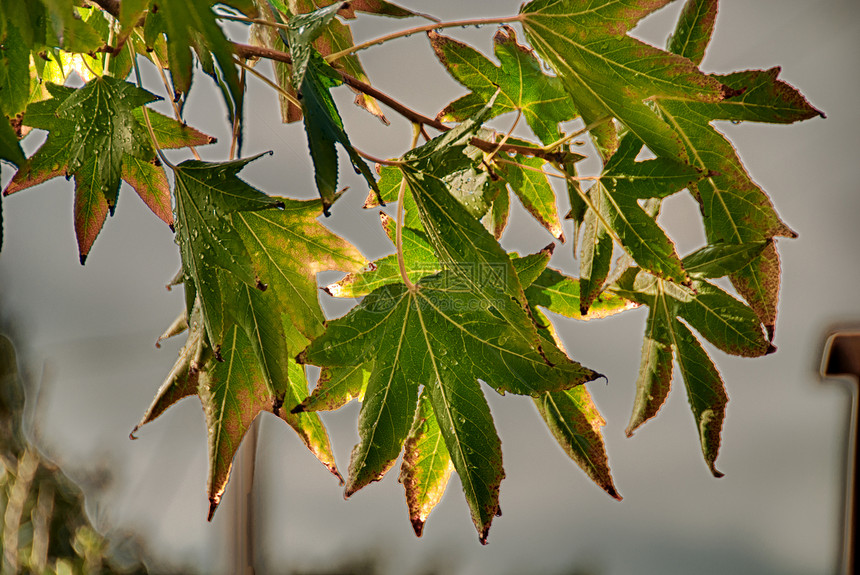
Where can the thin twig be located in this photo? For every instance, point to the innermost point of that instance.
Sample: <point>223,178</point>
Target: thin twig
<point>376,160</point>
<point>506,136</point>
<point>236,120</point>
<point>289,97</point>
<point>248,51</point>
<point>401,196</point>
<point>253,21</point>
<point>146,113</point>
<point>417,29</point>
<point>168,89</point>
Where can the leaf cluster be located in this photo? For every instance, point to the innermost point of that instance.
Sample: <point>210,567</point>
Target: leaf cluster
<point>450,312</point>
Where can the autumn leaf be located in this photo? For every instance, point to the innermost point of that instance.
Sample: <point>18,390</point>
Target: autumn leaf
<point>97,135</point>
<point>608,73</point>
<point>724,321</point>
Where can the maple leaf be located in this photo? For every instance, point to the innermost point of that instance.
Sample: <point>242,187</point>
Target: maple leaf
<point>520,81</point>
<point>608,73</point>
<point>337,36</point>
<point>96,135</point>
<point>527,180</point>
<point>724,321</point>
<point>233,393</point>
<point>735,209</point>
<point>439,336</point>
<point>427,463</point>
<point>616,213</point>
<point>244,333</point>
<point>192,25</point>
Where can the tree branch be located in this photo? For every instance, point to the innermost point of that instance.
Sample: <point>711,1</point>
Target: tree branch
<point>248,51</point>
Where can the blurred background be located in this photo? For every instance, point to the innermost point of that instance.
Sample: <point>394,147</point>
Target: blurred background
<point>86,338</point>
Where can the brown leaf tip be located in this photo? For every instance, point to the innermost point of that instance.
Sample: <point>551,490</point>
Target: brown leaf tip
<point>482,537</point>
<point>770,349</point>
<point>213,505</point>
<point>417,526</point>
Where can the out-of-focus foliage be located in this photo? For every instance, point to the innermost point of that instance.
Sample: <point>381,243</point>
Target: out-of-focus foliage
<point>45,527</point>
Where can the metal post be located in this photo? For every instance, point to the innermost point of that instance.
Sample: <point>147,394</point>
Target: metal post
<point>242,532</point>
<point>842,359</point>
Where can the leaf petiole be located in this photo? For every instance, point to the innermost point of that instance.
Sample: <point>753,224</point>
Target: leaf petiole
<point>146,112</point>
<point>401,196</point>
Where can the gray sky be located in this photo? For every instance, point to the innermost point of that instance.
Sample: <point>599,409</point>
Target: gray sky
<point>776,511</point>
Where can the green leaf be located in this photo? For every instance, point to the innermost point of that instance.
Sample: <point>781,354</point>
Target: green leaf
<point>718,260</point>
<point>705,391</point>
<point>14,72</point>
<point>427,464</point>
<point>608,73</point>
<point>233,393</point>
<point>723,320</point>
<point>442,336</point>
<point>150,183</point>
<point>324,128</point>
<point>560,294</point>
<point>527,180</point>
<point>665,334</point>
<point>74,33</point>
<point>10,149</point>
<point>595,256</point>
<point>206,194</point>
<point>97,134</point>
<point>337,36</point>
<point>336,387</point>
<point>288,247</point>
<point>694,29</point>
<point>182,380</point>
<point>101,113</point>
<point>520,81</point>
<point>192,25</point>
<point>655,368</point>
<point>575,423</point>
<point>308,426</point>
<point>304,29</point>
<point>170,133</point>
<point>735,209</point>
<point>256,332</point>
<point>418,256</point>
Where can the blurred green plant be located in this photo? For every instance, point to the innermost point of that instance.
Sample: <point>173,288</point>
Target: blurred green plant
<point>45,525</point>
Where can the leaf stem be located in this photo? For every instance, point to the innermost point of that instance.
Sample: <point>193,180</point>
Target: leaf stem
<point>237,130</point>
<point>289,97</point>
<point>146,112</point>
<point>253,21</point>
<point>401,196</point>
<point>426,28</point>
<point>506,136</point>
<point>168,89</point>
<point>555,145</point>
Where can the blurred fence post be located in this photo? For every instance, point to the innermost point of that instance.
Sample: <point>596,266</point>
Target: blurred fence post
<point>242,492</point>
<point>842,359</point>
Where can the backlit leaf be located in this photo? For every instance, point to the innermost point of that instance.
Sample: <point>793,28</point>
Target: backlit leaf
<point>521,83</point>
<point>443,337</point>
<point>608,73</point>
<point>427,465</point>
